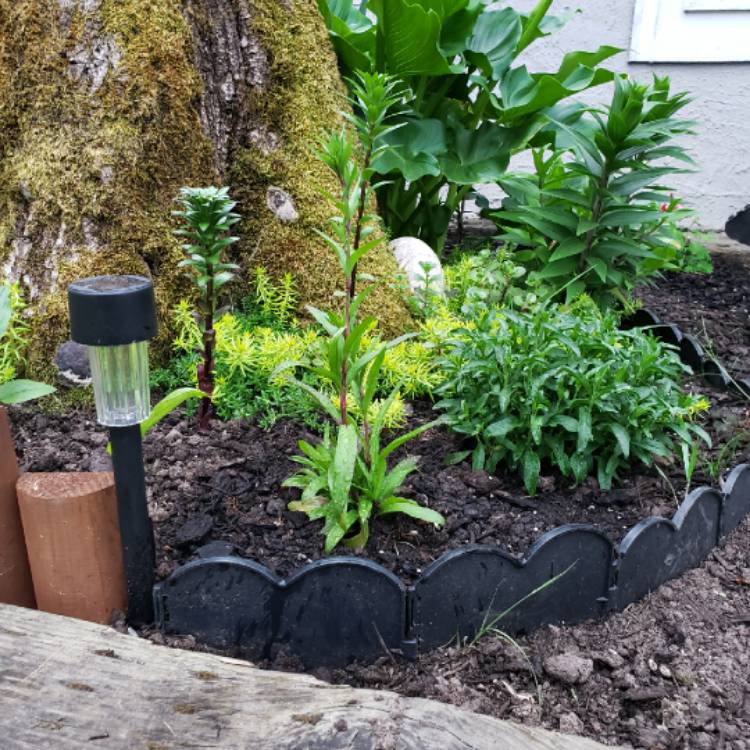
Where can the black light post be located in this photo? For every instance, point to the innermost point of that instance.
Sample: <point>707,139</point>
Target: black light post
<point>115,316</point>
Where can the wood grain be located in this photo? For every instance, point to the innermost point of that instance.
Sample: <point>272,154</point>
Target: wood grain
<point>73,539</point>
<point>65,684</point>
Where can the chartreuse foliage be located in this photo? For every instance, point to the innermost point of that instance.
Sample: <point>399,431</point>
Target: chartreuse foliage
<point>348,477</point>
<point>596,216</point>
<point>252,342</point>
<point>564,387</point>
<point>466,106</point>
<point>12,343</point>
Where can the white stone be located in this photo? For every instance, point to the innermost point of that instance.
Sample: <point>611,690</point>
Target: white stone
<point>281,203</point>
<point>412,256</point>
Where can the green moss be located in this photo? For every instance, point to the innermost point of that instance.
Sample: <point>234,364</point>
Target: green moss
<point>303,98</point>
<point>91,176</point>
<point>98,170</point>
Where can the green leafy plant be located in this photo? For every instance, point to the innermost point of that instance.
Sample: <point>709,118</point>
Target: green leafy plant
<point>695,257</point>
<point>737,443</point>
<point>564,387</point>
<point>347,477</point>
<point>12,329</point>
<point>207,217</point>
<point>595,216</point>
<point>488,277</point>
<point>423,299</point>
<point>466,107</point>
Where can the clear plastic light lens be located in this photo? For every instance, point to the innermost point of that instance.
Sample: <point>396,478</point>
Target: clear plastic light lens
<point>121,384</point>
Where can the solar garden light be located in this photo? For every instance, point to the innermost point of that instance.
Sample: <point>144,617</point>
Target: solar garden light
<point>115,316</point>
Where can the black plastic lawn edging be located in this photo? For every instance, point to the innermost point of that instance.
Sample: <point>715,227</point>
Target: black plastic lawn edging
<point>343,609</point>
<point>690,350</point>
<point>335,611</point>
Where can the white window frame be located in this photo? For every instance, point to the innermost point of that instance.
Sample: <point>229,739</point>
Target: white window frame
<point>691,31</point>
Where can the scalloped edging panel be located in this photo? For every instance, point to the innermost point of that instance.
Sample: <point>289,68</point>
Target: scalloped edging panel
<point>467,589</point>
<point>657,550</point>
<point>736,499</point>
<point>354,606</point>
<point>225,602</point>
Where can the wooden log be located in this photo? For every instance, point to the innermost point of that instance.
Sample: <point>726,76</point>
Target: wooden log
<point>73,539</point>
<point>15,577</point>
<point>70,684</point>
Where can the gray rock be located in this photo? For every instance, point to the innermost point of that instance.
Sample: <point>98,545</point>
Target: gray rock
<point>610,659</point>
<point>194,530</point>
<point>418,261</point>
<point>570,669</point>
<point>570,724</point>
<point>282,205</point>
<point>72,362</point>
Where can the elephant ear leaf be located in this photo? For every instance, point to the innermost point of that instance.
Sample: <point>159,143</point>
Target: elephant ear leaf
<point>413,150</point>
<point>352,33</point>
<point>495,36</point>
<point>409,38</point>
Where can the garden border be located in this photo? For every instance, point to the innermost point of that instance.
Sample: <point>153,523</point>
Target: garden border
<point>338,610</point>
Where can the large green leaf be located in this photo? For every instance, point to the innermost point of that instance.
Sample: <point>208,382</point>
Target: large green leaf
<point>341,471</point>
<point>495,36</point>
<point>408,38</point>
<point>18,391</point>
<point>352,33</point>
<point>523,93</point>
<point>475,156</point>
<point>413,150</point>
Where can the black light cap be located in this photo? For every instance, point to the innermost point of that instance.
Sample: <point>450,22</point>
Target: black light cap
<point>112,310</point>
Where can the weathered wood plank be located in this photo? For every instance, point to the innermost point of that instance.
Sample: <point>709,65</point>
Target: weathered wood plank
<point>68,684</point>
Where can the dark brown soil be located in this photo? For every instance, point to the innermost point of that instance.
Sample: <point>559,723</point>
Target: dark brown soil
<point>672,671</point>
<point>225,485</point>
<point>714,308</point>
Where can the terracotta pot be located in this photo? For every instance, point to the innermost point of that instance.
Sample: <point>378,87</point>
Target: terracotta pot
<point>73,538</point>
<point>15,577</point>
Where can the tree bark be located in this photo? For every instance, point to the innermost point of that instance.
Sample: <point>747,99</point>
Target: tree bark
<point>108,107</point>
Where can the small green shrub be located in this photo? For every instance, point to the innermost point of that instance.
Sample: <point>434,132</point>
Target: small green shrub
<point>564,386</point>
<point>492,278</point>
<point>596,217</point>
<point>207,217</point>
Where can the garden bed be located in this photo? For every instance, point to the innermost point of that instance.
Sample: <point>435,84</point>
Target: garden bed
<point>224,486</point>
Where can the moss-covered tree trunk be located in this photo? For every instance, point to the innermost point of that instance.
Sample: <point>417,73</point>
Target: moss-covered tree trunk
<point>107,107</point>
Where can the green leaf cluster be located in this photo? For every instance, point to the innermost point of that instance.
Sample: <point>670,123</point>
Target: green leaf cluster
<point>562,386</point>
<point>466,104</point>
<point>597,215</point>
<point>490,278</point>
<point>12,342</point>
<point>207,215</point>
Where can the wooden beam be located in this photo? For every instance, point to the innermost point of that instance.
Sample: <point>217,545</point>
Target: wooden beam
<point>66,683</point>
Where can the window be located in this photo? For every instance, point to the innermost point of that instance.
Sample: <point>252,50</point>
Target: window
<point>691,31</point>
